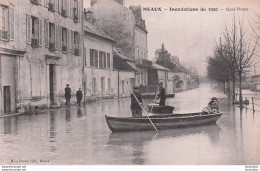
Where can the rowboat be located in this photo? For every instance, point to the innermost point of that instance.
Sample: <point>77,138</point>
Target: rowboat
<point>155,108</point>
<point>167,121</point>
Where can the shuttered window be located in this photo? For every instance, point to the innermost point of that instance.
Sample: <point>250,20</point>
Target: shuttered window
<point>46,32</point>
<point>92,57</point>
<point>28,29</point>
<point>11,18</point>
<point>96,58</point>
<point>40,32</point>
<point>108,60</point>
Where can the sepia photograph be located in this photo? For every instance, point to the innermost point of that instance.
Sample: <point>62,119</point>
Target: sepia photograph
<point>129,83</point>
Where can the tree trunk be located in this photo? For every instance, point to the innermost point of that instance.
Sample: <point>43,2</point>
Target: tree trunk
<point>234,88</point>
<point>240,91</point>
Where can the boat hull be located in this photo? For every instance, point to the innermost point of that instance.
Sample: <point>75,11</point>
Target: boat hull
<point>117,124</point>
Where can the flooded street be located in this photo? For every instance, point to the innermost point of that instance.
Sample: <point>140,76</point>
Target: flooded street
<point>81,135</point>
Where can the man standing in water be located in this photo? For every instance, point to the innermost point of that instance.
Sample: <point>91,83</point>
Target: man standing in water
<point>162,95</point>
<point>67,95</point>
<point>136,102</point>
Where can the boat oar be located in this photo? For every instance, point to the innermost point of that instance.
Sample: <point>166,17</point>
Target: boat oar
<point>143,110</point>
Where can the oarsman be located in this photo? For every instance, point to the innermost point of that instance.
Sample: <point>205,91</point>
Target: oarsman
<point>136,103</point>
<point>162,95</point>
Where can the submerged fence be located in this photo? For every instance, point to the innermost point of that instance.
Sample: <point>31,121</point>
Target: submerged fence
<point>255,102</point>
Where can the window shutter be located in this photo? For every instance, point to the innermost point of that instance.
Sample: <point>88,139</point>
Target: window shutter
<point>56,5</point>
<point>71,8</point>
<point>56,37</point>
<point>85,56</point>
<point>29,28</point>
<point>60,38</point>
<point>11,14</point>
<point>46,33</point>
<point>68,40</point>
<point>72,41</point>
<point>79,10</point>
<point>40,32</point>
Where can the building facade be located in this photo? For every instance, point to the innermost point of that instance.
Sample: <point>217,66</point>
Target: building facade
<point>126,26</point>
<point>43,50</point>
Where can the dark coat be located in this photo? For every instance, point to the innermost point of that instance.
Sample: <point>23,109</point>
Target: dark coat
<point>79,95</point>
<point>134,103</point>
<point>67,93</point>
<point>162,94</point>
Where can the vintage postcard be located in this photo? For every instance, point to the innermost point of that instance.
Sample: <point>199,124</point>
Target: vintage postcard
<point>129,82</point>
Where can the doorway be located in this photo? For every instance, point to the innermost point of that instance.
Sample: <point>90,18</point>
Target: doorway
<point>51,80</point>
<point>7,99</point>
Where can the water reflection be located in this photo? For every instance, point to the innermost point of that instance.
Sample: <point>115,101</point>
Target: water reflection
<point>137,141</point>
<point>79,113</point>
<point>68,116</point>
<point>7,125</point>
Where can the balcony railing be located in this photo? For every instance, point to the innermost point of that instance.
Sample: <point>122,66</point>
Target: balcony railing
<point>51,7</point>
<point>64,48</point>
<point>51,46</point>
<point>64,13</point>
<point>3,34</point>
<point>76,52</point>
<point>35,42</point>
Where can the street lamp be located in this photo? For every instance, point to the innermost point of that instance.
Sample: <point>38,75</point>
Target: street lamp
<point>254,66</point>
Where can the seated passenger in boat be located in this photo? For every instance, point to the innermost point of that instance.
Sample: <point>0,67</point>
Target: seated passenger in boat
<point>213,105</point>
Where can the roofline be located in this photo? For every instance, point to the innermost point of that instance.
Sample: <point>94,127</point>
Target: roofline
<point>112,40</point>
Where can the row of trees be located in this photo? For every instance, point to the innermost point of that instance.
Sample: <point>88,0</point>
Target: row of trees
<point>233,57</point>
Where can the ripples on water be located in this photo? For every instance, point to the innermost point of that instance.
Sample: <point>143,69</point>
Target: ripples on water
<point>81,136</point>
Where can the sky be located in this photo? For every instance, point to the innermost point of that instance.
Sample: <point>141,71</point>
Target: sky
<point>192,35</point>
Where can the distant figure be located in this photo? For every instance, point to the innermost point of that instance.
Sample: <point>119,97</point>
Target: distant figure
<point>136,102</point>
<point>162,95</point>
<point>67,95</point>
<point>213,105</point>
<point>79,96</point>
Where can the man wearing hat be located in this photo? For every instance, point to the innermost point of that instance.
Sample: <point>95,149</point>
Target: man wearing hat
<point>162,95</point>
<point>136,102</point>
<point>67,95</point>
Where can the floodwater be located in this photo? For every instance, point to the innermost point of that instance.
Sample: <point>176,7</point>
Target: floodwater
<point>81,136</point>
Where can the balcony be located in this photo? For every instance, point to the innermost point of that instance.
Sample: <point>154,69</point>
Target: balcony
<point>35,2</point>
<point>76,52</point>
<point>63,13</point>
<point>51,7</point>
<point>64,48</point>
<point>35,42</point>
<point>51,46</point>
<point>3,34</point>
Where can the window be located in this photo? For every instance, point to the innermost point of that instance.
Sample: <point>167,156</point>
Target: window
<point>51,5</point>
<point>96,58</point>
<point>75,10</point>
<point>92,57</point>
<point>34,31</point>
<point>51,36</point>
<point>123,86</point>
<point>6,22</point>
<point>64,39</point>
<point>102,59</point>
<point>108,60</point>
<point>75,42</point>
<point>64,8</point>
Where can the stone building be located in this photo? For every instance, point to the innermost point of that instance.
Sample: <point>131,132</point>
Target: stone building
<point>41,47</point>
<point>126,26</point>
